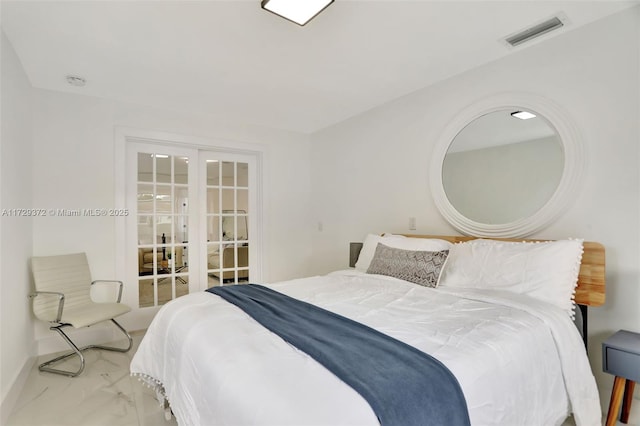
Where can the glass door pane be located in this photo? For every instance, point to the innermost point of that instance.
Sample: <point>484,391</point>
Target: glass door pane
<point>226,214</point>
<point>162,227</point>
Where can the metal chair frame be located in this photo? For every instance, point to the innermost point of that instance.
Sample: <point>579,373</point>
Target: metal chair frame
<point>75,350</point>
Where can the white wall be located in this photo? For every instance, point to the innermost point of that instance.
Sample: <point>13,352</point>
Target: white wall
<point>74,167</point>
<point>370,173</point>
<point>16,329</point>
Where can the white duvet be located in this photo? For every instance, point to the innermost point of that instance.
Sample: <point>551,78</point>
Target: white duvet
<point>518,361</point>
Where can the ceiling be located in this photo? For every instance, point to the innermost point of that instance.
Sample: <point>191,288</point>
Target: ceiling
<point>232,60</point>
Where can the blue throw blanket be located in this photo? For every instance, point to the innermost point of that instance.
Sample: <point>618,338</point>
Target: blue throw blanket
<point>403,386</point>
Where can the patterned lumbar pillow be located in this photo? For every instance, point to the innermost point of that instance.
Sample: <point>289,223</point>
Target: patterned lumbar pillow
<point>420,267</point>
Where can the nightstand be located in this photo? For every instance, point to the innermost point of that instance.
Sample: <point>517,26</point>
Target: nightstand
<point>621,357</point>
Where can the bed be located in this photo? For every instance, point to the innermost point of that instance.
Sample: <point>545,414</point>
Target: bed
<point>518,358</point>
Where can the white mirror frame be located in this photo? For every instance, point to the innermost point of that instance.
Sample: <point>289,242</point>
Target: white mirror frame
<point>565,192</point>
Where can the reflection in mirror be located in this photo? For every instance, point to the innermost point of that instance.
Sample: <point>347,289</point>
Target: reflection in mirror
<point>162,223</point>
<point>228,173</point>
<point>228,227</point>
<point>243,200</point>
<point>145,229</point>
<point>227,207</point>
<point>181,170</point>
<point>145,198</point>
<point>181,229</point>
<point>230,219</point>
<point>163,168</point>
<point>164,234</point>
<point>181,201</point>
<point>145,293</point>
<point>500,168</point>
<point>213,201</point>
<point>213,228</point>
<point>163,198</point>
<point>145,167</point>
<point>228,199</point>
<point>213,172</point>
<point>243,175</point>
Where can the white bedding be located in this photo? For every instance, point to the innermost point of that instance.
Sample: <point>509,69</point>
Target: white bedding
<point>519,361</point>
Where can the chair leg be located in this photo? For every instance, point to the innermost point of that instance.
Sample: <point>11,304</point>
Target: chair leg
<point>112,348</point>
<point>78,351</point>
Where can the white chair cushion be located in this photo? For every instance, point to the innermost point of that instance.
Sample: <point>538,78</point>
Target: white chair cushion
<point>92,313</point>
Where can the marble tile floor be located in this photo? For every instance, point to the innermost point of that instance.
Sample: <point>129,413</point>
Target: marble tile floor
<point>106,395</point>
<point>103,395</point>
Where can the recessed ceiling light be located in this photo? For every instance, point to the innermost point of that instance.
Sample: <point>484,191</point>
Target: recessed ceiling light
<point>522,115</point>
<point>297,11</point>
<point>74,80</point>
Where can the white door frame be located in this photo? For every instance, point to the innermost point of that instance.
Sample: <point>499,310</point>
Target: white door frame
<point>126,262</point>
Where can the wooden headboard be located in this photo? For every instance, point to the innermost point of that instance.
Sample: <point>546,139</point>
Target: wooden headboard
<point>591,283</point>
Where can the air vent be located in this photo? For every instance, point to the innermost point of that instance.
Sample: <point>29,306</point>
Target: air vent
<point>535,31</point>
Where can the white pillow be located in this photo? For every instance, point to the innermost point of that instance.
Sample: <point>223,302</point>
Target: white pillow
<point>368,250</point>
<point>396,241</point>
<point>547,271</point>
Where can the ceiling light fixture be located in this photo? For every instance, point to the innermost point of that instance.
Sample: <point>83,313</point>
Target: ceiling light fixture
<point>298,11</point>
<point>523,115</point>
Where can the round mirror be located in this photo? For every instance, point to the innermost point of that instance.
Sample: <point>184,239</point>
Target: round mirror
<point>503,166</point>
<point>506,167</point>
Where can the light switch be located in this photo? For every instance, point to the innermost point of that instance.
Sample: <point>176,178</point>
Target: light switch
<point>412,223</point>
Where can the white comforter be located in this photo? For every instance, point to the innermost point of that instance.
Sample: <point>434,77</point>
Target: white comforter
<point>518,361</point>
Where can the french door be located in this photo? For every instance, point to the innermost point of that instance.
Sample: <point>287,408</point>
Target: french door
<point>192,223</point>
<point>229,218</point>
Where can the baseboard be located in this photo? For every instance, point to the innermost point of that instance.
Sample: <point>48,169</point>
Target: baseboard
<point>9,401</point>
